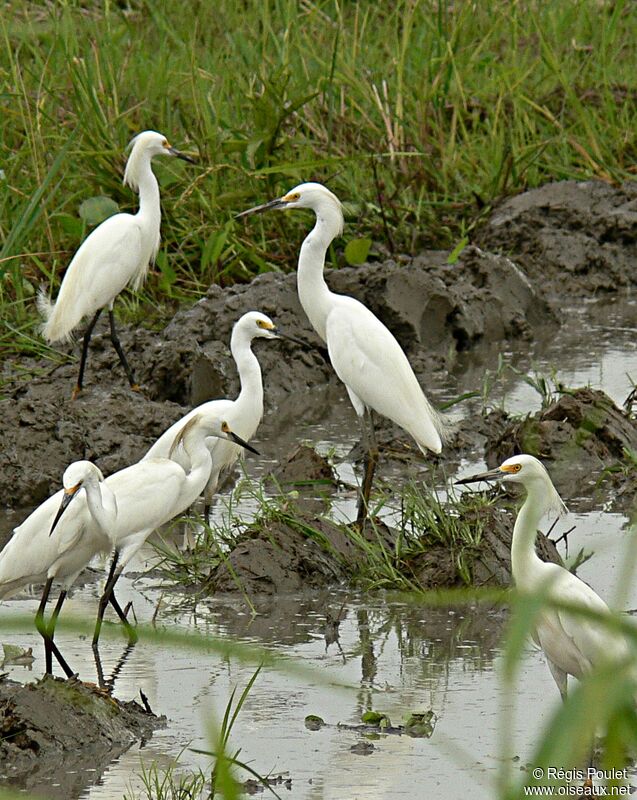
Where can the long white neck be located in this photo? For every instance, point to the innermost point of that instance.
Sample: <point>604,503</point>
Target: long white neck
<point>139,175</point>
<point>251,394</point>
<point>102,505</point>
<point>149,203</point>
<point>524,559</point>
<point>194,443</point>
<point>315,297</point>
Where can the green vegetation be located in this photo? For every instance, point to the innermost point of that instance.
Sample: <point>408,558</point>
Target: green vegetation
<point>432,531</point>
<point>418,114</point>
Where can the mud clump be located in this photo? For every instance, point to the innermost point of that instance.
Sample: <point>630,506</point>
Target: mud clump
<point>288,552</point>
<point>56,730</point>
<point>487,563</point>
<point>305,468</point>
<point>430,306</point>
<point>584,434</point>
<point>303,551</point>
<point>292,547</point>
<point>572,237</point>
<point>434,308</point>
<point>43,431</point>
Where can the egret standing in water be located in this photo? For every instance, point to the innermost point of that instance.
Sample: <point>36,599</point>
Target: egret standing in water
<point>130,504</point>
<point>573,645</point>
<point>117,253</point>
<point>32,556</point>
<point>243,414</point>
<point>364,353</point>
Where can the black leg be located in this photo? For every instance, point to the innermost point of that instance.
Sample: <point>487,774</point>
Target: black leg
<point>42,629</point>
<point>118,349</point>
<point>50,648</point>
<point>113,575</point>
<point>371,460</point>
<point>87,338</point>
<point>132,635</point>
<point>56,613</point>
<point>99,669</point>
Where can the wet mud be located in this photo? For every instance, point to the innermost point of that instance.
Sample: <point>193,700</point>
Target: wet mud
<point>565,238</point>
<point>539,249</point>
<point>58,736</point>
<point>293,546</point>
<point>434,308</point>
<point>573,238</point>
<point>585,439</point>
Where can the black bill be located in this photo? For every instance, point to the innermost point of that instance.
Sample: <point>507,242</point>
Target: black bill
<point>278,203</point>
<point>68,496</point>
<point>491,475</point>
<point>243,443</point>
<point>184,157</point>
<point>282,335</point>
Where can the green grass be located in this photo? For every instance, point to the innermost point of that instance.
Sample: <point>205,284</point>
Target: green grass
<point>419,114</point>
<point>430,525</point>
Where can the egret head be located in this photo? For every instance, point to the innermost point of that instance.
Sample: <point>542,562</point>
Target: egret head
<point>76,475</point>
<point>205,424</point>
<point>146,145</point>
<point>256,325</point>
<point>314,196</point>
<point>530,472</point>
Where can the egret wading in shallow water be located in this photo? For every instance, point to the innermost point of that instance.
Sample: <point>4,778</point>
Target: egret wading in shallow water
<point>243,414</point>
<point>573,645</point>
<point>364,353</point>
<point>117,253</point>
<point>130,504</point>
<point>32,556</point>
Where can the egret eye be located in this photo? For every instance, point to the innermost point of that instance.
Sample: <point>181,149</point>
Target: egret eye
<point>225,427</point>
<point>295,196</point>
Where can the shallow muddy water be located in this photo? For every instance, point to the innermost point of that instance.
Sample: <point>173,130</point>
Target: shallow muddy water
<point>393,656</point>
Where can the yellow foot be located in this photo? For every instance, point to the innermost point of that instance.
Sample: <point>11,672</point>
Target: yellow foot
<point>135,387</point>
<point>76,392</point>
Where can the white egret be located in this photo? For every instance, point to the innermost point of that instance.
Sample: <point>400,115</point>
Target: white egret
<point>363,352</point>
<point>134,501</point>
<point>32,556</point>
<point>117,253</point>
<point>572,644</point>
<point>243,414</point>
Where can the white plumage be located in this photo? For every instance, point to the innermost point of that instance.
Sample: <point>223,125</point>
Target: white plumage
<point>95,515</point>
<point>115,255</point>
<point>572,644</point>
<point>32,556</point>
<point>363,352</point>
<point>243,414</point>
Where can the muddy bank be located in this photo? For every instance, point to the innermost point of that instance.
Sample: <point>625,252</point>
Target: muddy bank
<point>586,443</point>
<point>576,238</point>
<point>570,238</point>
<point>57,736</point>
<point>434,308</point>
<point>302,551</point>
<point>293,545</point>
